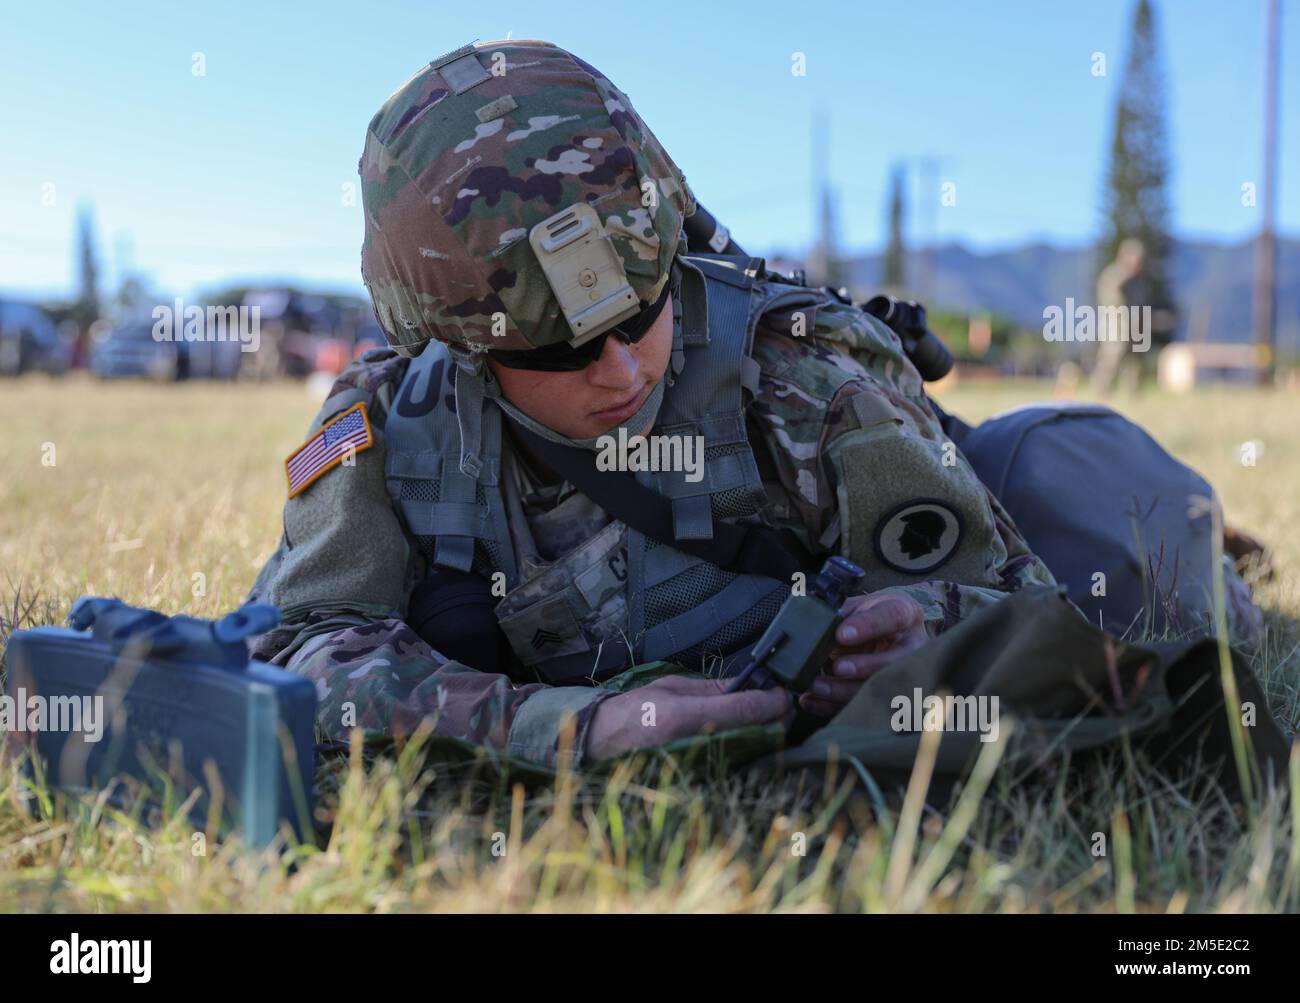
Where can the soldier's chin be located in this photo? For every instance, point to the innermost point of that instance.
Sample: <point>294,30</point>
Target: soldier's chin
<point>611,428</point>
<point>604,423</point>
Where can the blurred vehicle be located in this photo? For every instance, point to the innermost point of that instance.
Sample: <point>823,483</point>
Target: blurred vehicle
<point>333,353</point>
<point>209,360</point>
<point>302,332</point>
<point>282,324</point>
<point>129,349</point>
<point>29,341</point>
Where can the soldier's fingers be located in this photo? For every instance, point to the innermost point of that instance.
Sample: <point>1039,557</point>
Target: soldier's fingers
<point>820,708</point>
<point>689,685</point>
<point>839,691</point>
<point>911,639</point>
<point>908,640</point>
<point>890,615</point>
<point>878,644</point>
<point>736,710</point>
<point>873,646</point>
<point>863,666</point>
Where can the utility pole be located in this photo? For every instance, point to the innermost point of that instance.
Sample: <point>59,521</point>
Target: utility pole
<point>824,265</point>
<point>1265,306</point>
<point>928,168</point>
<point>930,224</point>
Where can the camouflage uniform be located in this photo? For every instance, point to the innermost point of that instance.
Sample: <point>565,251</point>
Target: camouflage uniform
<point>345,567</point>
<point>1116,362</point>
<point>851,457</point>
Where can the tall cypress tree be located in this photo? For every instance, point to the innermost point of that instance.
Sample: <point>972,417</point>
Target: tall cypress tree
<point>86,310</point>
<point>1137,198</point>
<point>893,264</point>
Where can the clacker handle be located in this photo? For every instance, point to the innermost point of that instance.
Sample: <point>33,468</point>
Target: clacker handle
<point>217,642</point>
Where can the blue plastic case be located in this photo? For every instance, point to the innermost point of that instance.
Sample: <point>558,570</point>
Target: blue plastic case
<point>177,693</point>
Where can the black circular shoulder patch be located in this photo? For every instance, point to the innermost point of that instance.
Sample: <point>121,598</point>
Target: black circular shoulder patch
<point>918,535</point>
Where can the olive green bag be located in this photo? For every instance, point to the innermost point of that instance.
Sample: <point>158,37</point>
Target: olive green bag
<point>1069,688</point>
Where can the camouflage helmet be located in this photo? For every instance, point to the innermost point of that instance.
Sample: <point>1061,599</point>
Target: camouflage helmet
<point>464,162</point>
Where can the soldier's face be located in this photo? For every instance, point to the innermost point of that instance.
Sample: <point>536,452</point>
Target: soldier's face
<point>591,401</point>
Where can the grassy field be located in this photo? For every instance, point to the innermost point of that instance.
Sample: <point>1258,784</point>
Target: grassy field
<point>170,497</point>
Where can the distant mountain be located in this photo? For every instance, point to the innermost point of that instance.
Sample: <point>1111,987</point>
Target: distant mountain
<point>1212,283</point>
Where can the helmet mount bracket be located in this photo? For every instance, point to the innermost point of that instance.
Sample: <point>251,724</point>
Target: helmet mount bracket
<point>584,271</point>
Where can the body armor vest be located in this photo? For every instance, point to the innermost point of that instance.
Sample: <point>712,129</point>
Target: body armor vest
<point>620,598</point>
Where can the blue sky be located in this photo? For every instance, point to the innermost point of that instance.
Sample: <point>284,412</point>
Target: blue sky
<point>197,180</point>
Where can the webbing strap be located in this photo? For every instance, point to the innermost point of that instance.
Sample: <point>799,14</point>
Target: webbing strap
<point>746,550</point>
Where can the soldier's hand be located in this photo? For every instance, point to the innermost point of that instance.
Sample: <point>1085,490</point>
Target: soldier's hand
<point>877,631</point>
<point>675,707</point>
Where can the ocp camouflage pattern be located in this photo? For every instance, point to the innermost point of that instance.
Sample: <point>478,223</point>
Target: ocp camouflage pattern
<point>452,183</point>
<point>839,425</point>
<point>373,671</point>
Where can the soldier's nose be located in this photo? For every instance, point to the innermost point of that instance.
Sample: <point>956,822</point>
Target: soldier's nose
<point>616,366</point>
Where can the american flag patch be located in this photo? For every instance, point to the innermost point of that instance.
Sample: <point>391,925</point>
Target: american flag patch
<point>342,436</point>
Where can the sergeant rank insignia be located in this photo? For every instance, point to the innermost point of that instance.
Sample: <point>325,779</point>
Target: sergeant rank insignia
<point>338,441</point>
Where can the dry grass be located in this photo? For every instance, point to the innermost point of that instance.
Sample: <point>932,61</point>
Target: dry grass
<point>155,485</point>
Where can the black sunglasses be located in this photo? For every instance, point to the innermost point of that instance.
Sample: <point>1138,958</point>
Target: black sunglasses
<point>563,358</point>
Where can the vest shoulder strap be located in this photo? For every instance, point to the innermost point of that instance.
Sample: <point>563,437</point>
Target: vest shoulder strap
<point>743,549</point>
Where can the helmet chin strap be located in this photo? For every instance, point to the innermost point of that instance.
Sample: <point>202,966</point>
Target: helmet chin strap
<point>634,425</point>
<point>475,385</point>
